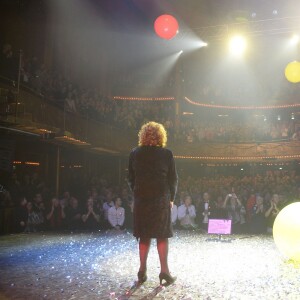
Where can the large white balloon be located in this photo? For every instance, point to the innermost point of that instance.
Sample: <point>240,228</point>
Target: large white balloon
<point>286,231</point>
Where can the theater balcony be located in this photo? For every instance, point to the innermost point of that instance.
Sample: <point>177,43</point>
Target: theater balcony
<point>31,113</point>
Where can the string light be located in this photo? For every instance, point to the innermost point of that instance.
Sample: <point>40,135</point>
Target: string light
<point>143,98</point>
<point>74,140</point>
<point>241,107</point>
<point>31,163</point>
<point>237,157</point>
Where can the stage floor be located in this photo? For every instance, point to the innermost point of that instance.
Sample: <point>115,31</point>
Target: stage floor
<point>103,265</point>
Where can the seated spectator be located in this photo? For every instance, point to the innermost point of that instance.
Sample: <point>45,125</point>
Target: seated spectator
<point>187,214</point>
<point>56,215</point>
<point>38,202</point>
<point>73,215</point>
<point>220,212</point>
<point>65,200</point>
<point>206,211</point>
<point>91,217</point>
<point>249,206</point>
<point>271,212</point>
<point>258,221</point>
<point>236,212</point>
<point>22,215</point>
<point>33,221</point>
<point>116,215</point>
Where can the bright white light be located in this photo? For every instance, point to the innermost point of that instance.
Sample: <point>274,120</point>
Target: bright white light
<point>181,51</point>
<point>201,44</point>
<point>295,39</point>
<point>237,45</point>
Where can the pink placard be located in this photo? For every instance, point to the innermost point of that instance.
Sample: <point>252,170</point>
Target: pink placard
<point>219,226</point>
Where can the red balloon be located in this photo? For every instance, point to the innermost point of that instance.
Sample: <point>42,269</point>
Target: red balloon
<point>166,26</point>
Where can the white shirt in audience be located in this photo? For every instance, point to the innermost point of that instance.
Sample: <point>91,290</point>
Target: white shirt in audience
<point>116,216</point>
<point>186,214</point>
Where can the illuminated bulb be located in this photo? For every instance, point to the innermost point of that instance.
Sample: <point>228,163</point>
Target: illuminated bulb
<point>237,45</point>
<point>295,39</point>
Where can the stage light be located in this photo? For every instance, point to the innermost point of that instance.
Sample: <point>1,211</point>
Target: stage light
<point>295,39</point>
<point>180,52</point>
<point>237,45</point>
<point>203,44</point>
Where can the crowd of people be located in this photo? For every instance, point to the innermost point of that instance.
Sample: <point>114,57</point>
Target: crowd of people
<point>91,102</point>
<point>250,202</point>
<point>231,130</point>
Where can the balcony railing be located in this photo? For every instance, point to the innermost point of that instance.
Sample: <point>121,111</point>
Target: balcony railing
<point>32,112</point>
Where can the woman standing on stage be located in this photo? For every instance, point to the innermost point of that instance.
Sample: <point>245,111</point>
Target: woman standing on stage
<point>153,179</point>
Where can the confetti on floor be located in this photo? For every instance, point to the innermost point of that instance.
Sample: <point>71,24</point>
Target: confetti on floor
<point>104,265</point>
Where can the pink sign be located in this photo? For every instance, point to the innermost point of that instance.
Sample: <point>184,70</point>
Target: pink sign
<point>219,226</point>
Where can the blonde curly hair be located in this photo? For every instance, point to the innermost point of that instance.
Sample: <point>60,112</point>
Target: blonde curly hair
<point>153,134</point>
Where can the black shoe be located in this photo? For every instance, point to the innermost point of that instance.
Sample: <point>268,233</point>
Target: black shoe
<point>142,276</point>
<point>168,278</point>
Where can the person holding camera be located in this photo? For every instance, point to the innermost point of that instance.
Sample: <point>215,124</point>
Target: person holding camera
<point>236,212</point>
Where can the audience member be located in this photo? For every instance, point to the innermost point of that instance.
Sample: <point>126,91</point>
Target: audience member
<point>271,212</point>
<point>187,214</point>
<point>206,211</point>
<point>91,216</point>
<point>73,215</point>
<point>22,215</point>
<point>235,212</point>
<point>258,221</point>
<point>33,221</point>
<point>56,215</point>
<point>116,215</point>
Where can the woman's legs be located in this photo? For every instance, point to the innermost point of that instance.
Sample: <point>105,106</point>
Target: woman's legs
<point>163,249</point>
<point>144,246</point>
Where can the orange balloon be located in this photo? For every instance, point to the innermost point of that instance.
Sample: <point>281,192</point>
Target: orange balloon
<point>292,72</point>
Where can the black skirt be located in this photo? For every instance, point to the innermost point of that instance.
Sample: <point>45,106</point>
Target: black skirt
<point>151,220</point>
